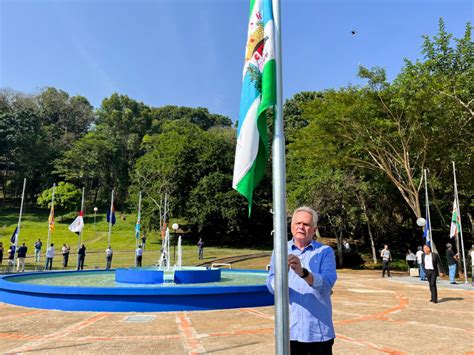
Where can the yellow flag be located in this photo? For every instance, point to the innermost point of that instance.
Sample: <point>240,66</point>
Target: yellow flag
<point>51,219</point>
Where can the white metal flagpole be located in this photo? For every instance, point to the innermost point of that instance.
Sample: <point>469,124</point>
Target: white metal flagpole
<point>82,210</point>
<point>17,235</point>
<point>137,231</point>
<point>110,216</point>
<point>433,246</point>
<point>51,211</point>
<point>282,332</point>
<point>456,197</point>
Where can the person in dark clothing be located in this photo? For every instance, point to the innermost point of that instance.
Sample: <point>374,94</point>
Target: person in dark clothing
<point>452,263</point>
<point>1,253</point>
<point>11,257</point>
<point>81,256</point>
<point>433,267</point>
<point>200,245</point>
<point>20,261</point>
<point>143,241</point>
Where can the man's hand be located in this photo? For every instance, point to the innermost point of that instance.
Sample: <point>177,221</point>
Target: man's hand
<point>441,274</point>
<point>295,264</point>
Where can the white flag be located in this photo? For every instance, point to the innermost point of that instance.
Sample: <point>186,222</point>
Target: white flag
<point>77,225</point>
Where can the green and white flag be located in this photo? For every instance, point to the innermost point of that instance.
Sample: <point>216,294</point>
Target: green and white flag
<point>258,94</point>
<point>455,221</point>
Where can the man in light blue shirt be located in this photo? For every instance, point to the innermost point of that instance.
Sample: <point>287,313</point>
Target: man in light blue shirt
<point>311,276</point>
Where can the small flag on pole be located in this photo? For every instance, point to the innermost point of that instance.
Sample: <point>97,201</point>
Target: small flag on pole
<point>51,220</point>
<point>14,235</point>
<point>426,232</point>
<point>257,96</point>
<point>137,228</point>
<point>113,216</point>
<point>78,224</point>
<point>455,222</point>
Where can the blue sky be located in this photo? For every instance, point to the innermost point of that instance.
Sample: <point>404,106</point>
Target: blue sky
<point>191,52</point>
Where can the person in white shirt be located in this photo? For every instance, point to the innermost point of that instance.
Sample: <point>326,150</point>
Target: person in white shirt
<point>386,258</point>
<point>139,253</point>
<point>108,257</point>
<point>49,257</point>
<point>419,256</point>
<point>410,259</point>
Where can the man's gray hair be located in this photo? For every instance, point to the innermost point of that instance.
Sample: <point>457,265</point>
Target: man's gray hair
<point>308,210</point>
<point>449,246</point>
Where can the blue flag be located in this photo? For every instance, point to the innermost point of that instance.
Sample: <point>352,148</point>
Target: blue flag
<point>426,232</point>
<point>113,217</point>
<point>14,235</point>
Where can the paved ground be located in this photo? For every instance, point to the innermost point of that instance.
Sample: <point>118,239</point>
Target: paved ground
<point>371,315</point>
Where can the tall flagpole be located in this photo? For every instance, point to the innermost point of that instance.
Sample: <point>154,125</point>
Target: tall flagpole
<point>427,204</point>
<point>17,236</point>
<point>51,211</point>
<point>280,240</point>
<point>79,236</point>
<point>110,218</point>
<point>137,231</point>
<point>456,197</point>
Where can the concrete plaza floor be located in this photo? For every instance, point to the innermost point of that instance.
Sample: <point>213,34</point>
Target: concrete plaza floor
<point>372,315</point>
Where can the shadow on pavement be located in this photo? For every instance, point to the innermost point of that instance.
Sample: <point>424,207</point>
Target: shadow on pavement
<point>447,299</point>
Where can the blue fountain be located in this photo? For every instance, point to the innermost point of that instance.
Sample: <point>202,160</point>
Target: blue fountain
<point>137,290</point>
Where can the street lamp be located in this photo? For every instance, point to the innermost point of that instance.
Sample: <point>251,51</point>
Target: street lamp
<point>175,226</point>
<point>95,214</point>
<point>421,222</point>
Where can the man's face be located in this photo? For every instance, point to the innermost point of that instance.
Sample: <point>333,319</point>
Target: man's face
<point>302,227</point>
<point>426,249</point>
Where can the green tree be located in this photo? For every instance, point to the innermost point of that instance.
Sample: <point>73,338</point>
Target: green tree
<point>66,196</point>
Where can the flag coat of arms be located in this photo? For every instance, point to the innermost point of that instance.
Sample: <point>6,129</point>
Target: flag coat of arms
<point>455,222</point>
<point>51,220</point>
<point>78,224</point>
<point>257,95</point>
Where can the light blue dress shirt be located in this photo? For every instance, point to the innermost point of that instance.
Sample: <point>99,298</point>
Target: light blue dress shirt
<point>310,306</point>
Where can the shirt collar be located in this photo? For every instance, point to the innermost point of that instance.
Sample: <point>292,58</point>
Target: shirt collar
<point>310,246</point>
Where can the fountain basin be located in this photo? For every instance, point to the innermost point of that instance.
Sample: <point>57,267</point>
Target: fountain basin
<point>139,276</point>
<point>26,290</point>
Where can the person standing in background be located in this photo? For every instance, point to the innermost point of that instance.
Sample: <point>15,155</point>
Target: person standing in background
<point>108,257</point>
<point>138,256</point>
<point>49,257</point>
<point>20,261</point>
<point>452,263</point>
<point>200,245</point>
<point>471,255</point>
<point>38,246</point>
<point>65,250</point>
<point>410,258</point>
<point>386,258</point>
<point>1,253</point>
<point>419,256</point>
<point>81,256</point>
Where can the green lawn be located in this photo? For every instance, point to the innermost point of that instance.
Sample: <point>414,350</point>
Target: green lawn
<point>34,225</point>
